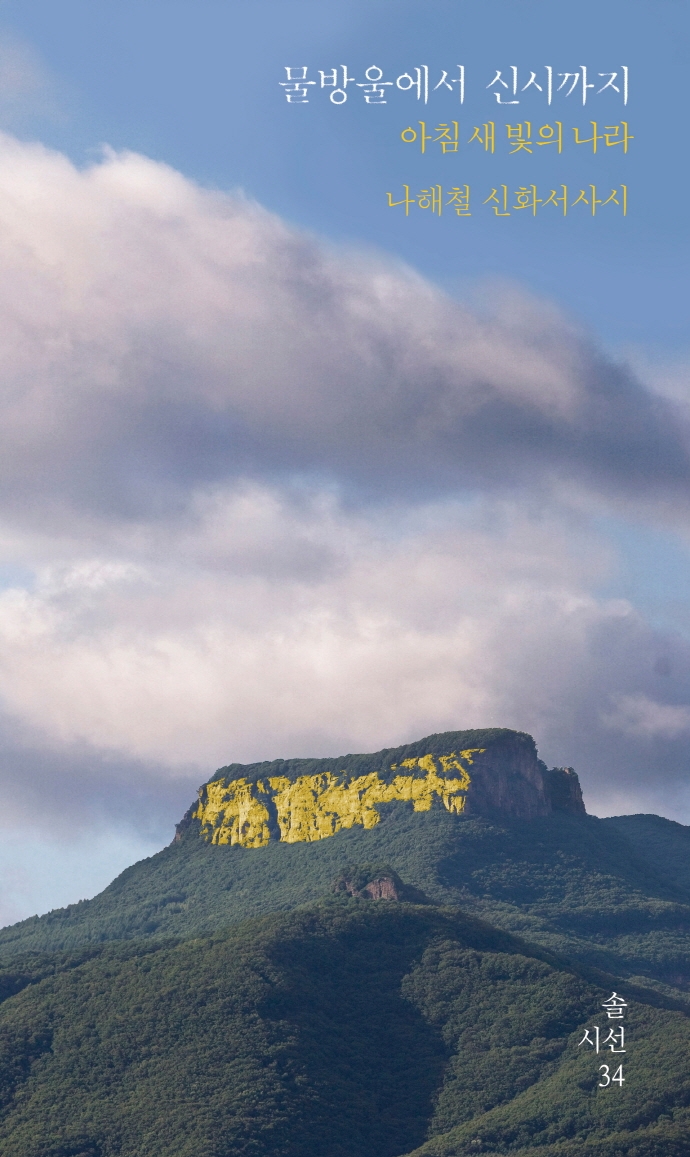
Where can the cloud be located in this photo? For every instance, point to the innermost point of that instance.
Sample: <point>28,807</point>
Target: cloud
<point>27,88</point>
<point>73,816</point>
<point>639,715</point>
<point>161,338</point>
<point>285,624</point>
<point>263,497</point>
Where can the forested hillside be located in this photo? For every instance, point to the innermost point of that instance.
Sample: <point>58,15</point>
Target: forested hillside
<point>598,891</point>
<point>347,1029</point>
<point>405,970</point>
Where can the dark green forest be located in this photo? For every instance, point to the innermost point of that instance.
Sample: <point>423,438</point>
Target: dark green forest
<point>613,893</point>
<point>348,1028</point>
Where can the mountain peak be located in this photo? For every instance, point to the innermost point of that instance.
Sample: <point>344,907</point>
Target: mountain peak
<point>480,772</point>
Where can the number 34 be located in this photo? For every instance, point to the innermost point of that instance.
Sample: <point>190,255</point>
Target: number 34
<point>616,1079</point>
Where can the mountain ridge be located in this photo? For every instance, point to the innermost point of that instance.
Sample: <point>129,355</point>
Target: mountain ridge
<point>402,960</point>
<point>475,772</point>
<point>613,894</point>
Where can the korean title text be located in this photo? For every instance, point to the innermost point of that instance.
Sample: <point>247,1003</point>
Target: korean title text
<point>504,201</point>
<point>518,138</point>
<point>508,86</point>
<point>613,1042</point>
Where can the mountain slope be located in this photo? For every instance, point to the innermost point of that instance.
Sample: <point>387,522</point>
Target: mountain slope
<point>248,992</point>
<point>587,888</point>
<point>348,1029</point>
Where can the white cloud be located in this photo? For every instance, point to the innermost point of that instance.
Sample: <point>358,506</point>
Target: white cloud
<point>159,338</point>
<point>667,376</point>
<point>27,88</point>
<point>639,715</point>
<point>281,624</point>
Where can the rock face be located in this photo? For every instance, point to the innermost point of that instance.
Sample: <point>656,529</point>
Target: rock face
<point>303,800</point>
<point>376,882</point>
<point>563,790</point>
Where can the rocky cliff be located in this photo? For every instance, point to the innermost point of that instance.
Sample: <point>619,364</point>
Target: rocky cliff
<point>303,800</point>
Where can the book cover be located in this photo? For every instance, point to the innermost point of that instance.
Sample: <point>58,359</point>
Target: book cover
<point>345,401</point>
<point>345,395</point>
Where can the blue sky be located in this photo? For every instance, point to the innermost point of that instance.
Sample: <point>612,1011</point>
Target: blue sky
<point>287,472</point>
<point>196,85</point>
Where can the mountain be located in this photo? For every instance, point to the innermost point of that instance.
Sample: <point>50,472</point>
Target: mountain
<point>379,955</point>
<point>482,824</point>
<point>305,800</point>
